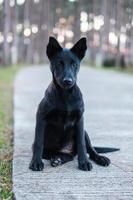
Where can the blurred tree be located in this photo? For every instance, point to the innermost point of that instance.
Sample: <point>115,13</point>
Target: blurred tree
<point>76,27</point>
<point>6,19</point>
<point>15,40</point>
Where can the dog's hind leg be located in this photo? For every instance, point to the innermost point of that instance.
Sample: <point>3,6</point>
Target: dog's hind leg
<point>98,159</point>
<point>60,159</point>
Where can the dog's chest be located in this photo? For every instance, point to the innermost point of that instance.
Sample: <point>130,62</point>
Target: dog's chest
<point>61,129</point>
<point>63,119</point>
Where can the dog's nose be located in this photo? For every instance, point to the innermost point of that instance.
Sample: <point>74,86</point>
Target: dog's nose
<point>67,81</point>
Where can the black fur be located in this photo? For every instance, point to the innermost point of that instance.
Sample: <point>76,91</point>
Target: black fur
<point>59,133</point>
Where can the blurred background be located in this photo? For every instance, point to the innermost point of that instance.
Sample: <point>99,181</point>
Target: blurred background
<point>26,24</point>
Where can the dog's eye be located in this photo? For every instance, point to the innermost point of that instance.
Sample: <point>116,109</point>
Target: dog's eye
<point>73,65</point>
<point>61,63</point>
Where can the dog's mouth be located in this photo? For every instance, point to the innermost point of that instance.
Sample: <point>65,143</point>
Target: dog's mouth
<point>66,86</point>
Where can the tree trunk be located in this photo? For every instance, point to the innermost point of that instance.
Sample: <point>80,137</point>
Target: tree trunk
<point>6,30</point>
<point>15,41</point>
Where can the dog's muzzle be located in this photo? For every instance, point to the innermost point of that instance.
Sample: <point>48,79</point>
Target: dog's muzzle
<point>67,82</point>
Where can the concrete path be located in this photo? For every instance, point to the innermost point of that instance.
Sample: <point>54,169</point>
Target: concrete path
<point>109,121</point>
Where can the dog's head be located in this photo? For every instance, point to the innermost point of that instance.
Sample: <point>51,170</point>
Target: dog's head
<point>64,63</point>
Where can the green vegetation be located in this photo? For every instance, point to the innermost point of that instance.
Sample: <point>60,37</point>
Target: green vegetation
<point>6,128</point>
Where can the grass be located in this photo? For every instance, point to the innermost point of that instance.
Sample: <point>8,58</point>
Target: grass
<point>6,129</point>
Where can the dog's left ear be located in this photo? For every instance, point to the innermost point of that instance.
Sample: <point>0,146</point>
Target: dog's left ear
<point>79,48</point>
<point>53,47</point>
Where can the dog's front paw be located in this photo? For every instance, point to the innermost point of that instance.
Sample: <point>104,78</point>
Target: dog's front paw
<point>36,165</point>
<point>85,165</point>
<point>101,160</point>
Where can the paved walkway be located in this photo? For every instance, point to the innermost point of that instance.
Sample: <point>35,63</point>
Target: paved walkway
<point>108,119</point>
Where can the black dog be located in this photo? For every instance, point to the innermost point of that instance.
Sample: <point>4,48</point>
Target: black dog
<point>59,133</point>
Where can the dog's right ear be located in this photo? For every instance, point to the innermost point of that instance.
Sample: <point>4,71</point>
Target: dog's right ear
<point>53,47</point>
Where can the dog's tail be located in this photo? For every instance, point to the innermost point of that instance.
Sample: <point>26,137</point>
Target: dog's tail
<point>105,149</point>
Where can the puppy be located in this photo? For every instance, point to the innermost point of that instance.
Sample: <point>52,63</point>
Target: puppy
<point>59,132</point>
